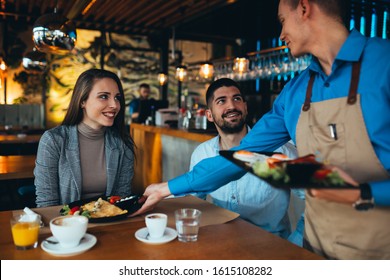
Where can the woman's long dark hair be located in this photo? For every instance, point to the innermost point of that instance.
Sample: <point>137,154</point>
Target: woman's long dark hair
<point>81,91</point>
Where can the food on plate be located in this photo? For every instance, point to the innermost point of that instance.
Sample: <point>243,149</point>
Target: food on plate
<point>307,169</point>
<point>327,177</point>
<point>96,209</point>
<point>102,208</point>
<point>249,157</point>
<point>272,169</point>
<point>66,210</point>
<point>114,199</point>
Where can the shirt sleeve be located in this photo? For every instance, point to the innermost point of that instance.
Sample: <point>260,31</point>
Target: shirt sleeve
<point>381,192</point>
<point>133,107</point>
<point>46,172</point>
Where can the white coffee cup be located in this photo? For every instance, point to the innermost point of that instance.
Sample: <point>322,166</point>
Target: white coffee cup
<point>69,230</point>
<point>156,224</point>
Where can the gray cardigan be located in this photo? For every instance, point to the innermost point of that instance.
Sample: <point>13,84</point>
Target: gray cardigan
<point>58,172</point>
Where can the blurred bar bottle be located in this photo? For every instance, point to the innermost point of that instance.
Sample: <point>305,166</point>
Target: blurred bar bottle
<point>362,20</point>
<point>374,21</point>
<point>385,21</point>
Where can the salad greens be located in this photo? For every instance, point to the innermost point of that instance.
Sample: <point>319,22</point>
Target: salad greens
<point>66,210</point>
<point>277,173</point>
<point>275,170</point>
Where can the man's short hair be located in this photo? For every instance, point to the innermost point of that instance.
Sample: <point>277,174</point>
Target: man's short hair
<point>223,82</point>
<point>335,8</point>
<point>144,85</point>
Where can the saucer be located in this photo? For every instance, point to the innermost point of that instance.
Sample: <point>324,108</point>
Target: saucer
<point>55,249</point>
<point>169,235</point>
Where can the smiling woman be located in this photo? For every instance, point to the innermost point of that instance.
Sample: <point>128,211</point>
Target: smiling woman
<point>91,152</point>
<point>102,105</point>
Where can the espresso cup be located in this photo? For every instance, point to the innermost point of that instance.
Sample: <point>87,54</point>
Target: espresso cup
<point>69,230</point>
<point>156,224</point>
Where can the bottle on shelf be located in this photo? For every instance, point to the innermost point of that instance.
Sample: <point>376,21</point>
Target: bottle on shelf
<point>153,115</point>
<point>200,119</point>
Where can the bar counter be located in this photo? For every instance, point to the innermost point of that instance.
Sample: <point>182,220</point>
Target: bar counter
<point>162,153</point>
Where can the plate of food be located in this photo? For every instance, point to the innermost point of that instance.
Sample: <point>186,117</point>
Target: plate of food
<point>104,209</point>
<point>282,172</point>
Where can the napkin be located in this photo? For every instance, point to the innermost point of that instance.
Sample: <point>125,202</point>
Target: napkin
<point>28,215</point>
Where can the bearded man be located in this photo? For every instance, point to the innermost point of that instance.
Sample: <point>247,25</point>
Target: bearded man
<point>255,200</point>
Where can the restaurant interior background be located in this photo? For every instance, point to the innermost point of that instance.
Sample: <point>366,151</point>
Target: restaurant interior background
<point>139,40</point>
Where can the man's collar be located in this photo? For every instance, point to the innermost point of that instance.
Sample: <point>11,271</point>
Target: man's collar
<point>353,47</point>
<point>350,51</point>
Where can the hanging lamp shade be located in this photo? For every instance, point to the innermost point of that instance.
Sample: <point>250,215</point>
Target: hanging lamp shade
<point>162,78</point>
<point>181,73</point>
<point>206,71</point>
<point>241,65</point>
<point>3,65</point>
<point>34,61</point>
<point>54,33</point>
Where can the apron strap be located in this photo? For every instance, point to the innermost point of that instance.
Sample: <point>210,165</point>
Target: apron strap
<point>309,89</point>
<point>352,88</point>
<point>354,83</point>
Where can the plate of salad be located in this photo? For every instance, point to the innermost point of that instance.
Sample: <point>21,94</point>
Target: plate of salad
<point>282,172</point>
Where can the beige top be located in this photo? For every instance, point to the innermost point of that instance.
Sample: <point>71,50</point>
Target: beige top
<point>93,160</point>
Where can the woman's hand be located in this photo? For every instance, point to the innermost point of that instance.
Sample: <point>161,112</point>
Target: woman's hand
<point>347,196</point>
<point>154,194</point>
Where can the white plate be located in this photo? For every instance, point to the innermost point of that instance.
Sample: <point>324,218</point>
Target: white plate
<point>169,235</point>
<point>86,243</point>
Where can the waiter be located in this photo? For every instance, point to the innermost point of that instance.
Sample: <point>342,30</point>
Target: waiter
<point>337,108</point>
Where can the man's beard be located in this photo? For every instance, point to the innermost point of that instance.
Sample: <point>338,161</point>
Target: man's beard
<point>229,127</point>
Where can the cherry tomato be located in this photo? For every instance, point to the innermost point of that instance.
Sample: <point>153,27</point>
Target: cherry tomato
<point>321,174</point>
<point>74,209</point>
<point>114,198</point>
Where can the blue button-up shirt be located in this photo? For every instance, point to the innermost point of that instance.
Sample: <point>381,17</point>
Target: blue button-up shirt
<point>252,198</point>
<point>279,125</point>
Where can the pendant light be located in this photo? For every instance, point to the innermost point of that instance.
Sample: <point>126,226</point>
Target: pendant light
<point>3,65</point>
<point>241,65</point>
<point>54,33</point>
<point>181,73</point>
<point>162,78</point>
<point>3,73</point>
<point>206,70</point>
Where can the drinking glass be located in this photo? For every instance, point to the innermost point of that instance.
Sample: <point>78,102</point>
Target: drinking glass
<point>187,224</point>
<point>25,229</point>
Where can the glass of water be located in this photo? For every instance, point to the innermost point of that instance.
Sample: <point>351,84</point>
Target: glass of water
<point>187,224</point>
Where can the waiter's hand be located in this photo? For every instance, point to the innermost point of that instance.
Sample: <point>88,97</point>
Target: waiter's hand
<point>347,196</point>
<point>154,194</point>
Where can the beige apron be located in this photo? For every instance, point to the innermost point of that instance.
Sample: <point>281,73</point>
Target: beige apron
<point>334,230</point>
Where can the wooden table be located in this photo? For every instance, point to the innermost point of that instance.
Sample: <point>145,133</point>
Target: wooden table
<point>16,145</point>
<point>15,139</point>
<point>17,167</point>
<point>233,240</point>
